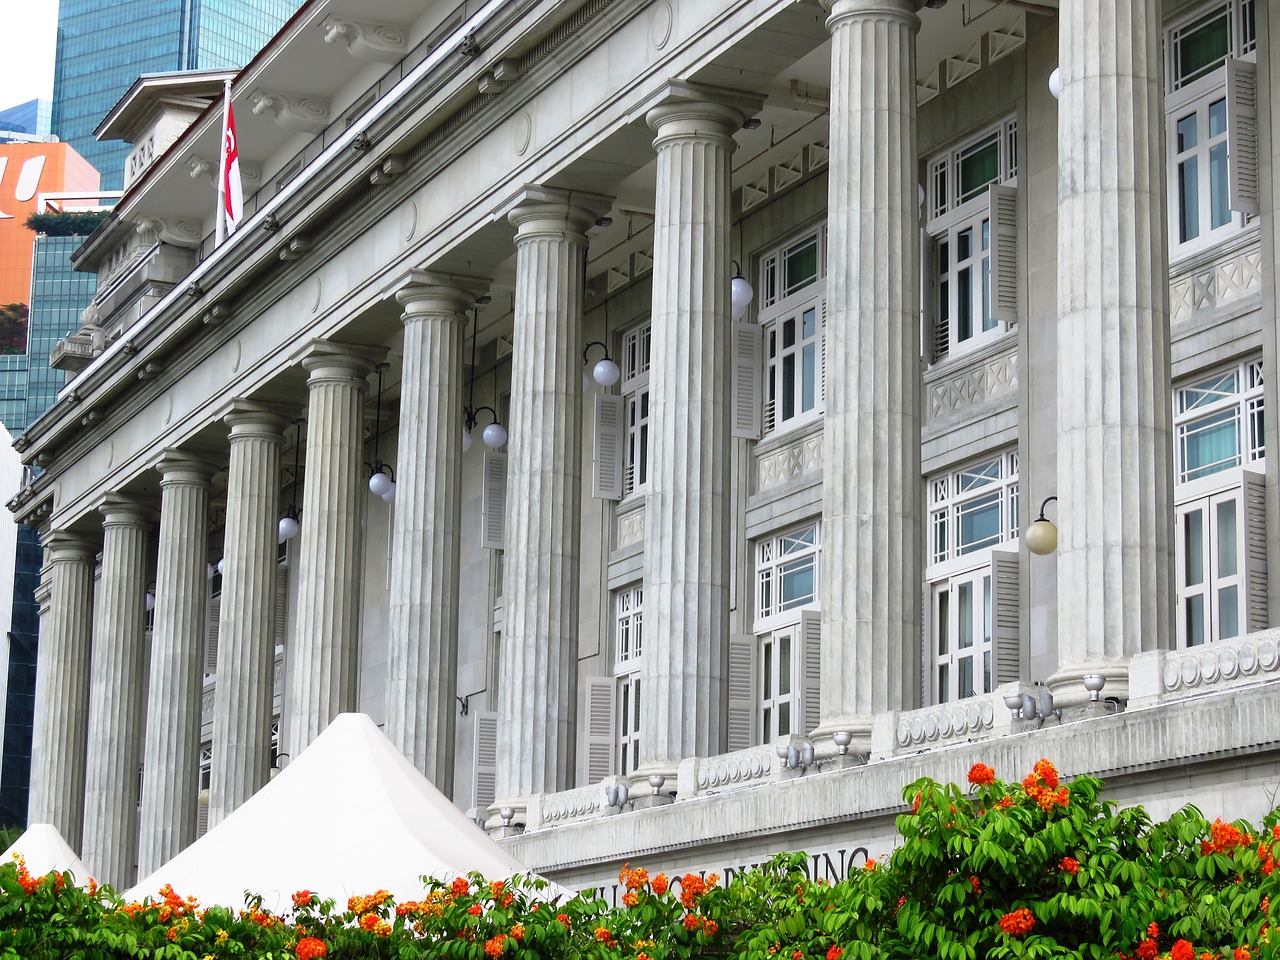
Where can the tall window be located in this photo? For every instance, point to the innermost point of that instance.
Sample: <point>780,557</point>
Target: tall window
<point>973,586</point>
<point>1220,505</point>
<point>1202,50</point>
<point>628,647</point>
<point>774,676</point>
<point>793,315</point>
<point>635,392</point>
<point>964,307</point>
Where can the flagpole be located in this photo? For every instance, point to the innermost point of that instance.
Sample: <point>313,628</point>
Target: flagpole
<point>220,217</point>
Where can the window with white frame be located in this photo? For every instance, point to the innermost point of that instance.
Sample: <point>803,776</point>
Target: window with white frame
<point>970,262</point>
<point>628,648</point>
<point>1211,124</point>
<point>774,674</point>
<point>786,572</point>
<point>1220,511</point>
<point>972,588</point>
<point>792,318</point>
<point>635,392</point>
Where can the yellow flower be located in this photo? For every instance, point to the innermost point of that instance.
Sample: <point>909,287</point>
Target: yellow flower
<point>222,937</point>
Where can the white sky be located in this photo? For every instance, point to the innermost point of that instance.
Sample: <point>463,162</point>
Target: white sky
<point>26,50</point>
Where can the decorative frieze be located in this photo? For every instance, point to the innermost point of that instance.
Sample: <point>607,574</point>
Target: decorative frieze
<point>798,456</point>
<point>1232,277</point>
<point>630,526</point>
<point>785,174</point>
<point>973,385</point>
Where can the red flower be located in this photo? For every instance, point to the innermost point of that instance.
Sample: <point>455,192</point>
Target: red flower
<point>309,948</point>
<point>709,927</point>
<point>460,887</point>
<point>834,952</point>
<point>1242,953</point>
<point>303,898</point>
<point>1153,929</point>
<point>980,775</point>
<point>973,882</point>
<point>1018,923</point>
<point>564,918</point>
<point>797,955</point>
<point>1006,802</point>
<point>1147,949</point>
<point>916,806</point>
<point>1182,950</point>
<point>1069,865</point>
<point>475,910</point>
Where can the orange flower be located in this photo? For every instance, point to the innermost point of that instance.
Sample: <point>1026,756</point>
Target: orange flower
<point>460,887</point>
<point>495,946</point>
<point>692,887</point>
<point>602,934</point>
<point>713,879</point>
<point>980,775</point>
<point>309,948</point>
<point>1018,922</point>
<point>1153,929</point>
<point>382,929</point>
<point>302,898</point>
<point>834,952</point>
<point>1242,953</point>
<point>975,885</point>
<point>871,865</point>
<point>915,807</point>
<point>368,921</point>
<point>630,898</point>
<point>475,909</point>
<point>517,932</point>
<point>797,955</point>
<point>709,927</point>
<point>1147,950</point>
<point>1069,865</point>
<point>564,918</point>
<point>1006,802</point>
<point>1182,950</point>
<point>495,888</point>
<point>660,884</point>
<point>691,922</point>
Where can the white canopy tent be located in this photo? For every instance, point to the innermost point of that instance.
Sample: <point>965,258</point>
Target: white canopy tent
<point>349,816</point>
<point>44,851</point>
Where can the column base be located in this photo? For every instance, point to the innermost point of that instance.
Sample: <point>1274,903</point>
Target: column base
<point>1067,683</point>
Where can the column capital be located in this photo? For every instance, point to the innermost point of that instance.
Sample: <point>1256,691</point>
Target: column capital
<point>184,467</point>
<point>841,10</point>
<point>63,545</point>
<point>430,293</point>
<point>698,111</point>
<point>120,509</point>
<point>252,418</point>
<point>537,211</point>
<point>326,361</point>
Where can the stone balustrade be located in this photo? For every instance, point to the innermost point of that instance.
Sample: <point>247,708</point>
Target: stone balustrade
<point>1160,676</point>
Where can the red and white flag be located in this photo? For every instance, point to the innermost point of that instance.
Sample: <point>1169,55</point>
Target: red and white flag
<point>232,194</point>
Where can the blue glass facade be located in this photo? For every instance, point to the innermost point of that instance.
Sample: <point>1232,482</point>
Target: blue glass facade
<point>105,45</point>
<point>32,118</point>
<point>28,387</point>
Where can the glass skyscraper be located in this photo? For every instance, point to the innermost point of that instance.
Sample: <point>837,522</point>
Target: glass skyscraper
<point>105,45</point>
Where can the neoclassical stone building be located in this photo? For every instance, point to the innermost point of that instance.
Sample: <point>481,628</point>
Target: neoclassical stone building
<point>728,594</point>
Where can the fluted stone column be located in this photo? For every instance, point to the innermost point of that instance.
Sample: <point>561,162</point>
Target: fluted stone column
<point>246,632</point>
<point>422,655</point>
<point>872,496</point>
<point>117,694</point>
<point>322,654</point>
<point>61,726</point>
<point>686,559</point>
<point>538,660</point>
<point>171,752</point>
<point>1115,486</point>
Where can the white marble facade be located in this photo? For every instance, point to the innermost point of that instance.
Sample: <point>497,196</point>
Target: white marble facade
<point>790,522</point>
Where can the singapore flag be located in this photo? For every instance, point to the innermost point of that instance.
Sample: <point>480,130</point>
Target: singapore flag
<point>232,194</point>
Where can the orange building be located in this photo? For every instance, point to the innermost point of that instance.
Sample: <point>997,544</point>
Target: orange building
<point>26,171</point>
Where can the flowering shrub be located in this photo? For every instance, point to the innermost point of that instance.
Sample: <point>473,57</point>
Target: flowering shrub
<point>1037,868</point>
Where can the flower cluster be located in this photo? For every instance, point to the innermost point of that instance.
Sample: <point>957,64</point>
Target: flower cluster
<point>1224,838</point>
<point>1041,785</point>
<point>1018,922</point>
<point>310,948</point>
<point>980,775</point>
<point>1069,865</point>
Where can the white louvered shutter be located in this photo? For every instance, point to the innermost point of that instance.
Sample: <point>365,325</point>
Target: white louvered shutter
<point>1242,136</point>
<point>934,334</point>
<point>811,669</point>
<point>493,501</point>
<point>610,436</point>
<point>282,604</point>
<point>212,628</point>
<point>1006,614</point>
<point>743,704</point>
<point>1004,252</point>
<point>600,727</point>
<point>484,765</point>
<point>202,819</point>
<point>822,354</point>
<point>1255,551</point>
<point>746,379</point>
